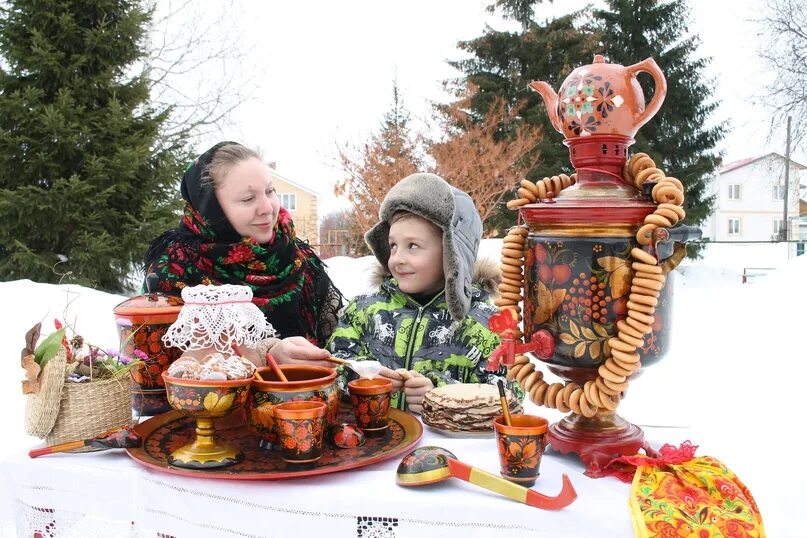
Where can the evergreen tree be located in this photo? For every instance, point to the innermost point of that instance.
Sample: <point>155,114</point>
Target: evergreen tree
<point>371,169</point>
<point>678,137</point>
<point>396,139</point>
<point>85,178</point>
<point>503,65</point>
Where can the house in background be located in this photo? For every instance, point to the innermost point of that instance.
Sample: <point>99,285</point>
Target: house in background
<point>801,246</point>
<point>749,200</point>
<point>302,204</point>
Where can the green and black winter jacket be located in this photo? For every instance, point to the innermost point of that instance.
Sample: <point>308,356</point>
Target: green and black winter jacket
<point>393,328</point>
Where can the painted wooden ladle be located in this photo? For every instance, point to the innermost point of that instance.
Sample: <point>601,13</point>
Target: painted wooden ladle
<point>430,464</point>
<point>117,438</point>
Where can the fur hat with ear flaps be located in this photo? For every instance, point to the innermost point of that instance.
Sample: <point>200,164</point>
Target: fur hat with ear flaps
<point>431,197</point>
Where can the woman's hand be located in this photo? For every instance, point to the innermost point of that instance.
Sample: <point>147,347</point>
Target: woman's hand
<point>298,350</point>
<point>415,388</point>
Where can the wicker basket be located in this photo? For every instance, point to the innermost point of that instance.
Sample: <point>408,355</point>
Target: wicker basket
<point>42,408</point>
<point>84,410</point>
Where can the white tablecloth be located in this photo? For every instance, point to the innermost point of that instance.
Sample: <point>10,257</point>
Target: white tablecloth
<point>732,383</point>
<point>109,494</point>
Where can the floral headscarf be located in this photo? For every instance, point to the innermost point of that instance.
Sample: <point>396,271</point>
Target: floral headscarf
<point>288,281</point>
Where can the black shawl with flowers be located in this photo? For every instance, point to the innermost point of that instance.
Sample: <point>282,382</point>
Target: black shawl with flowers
<point>288,281</point>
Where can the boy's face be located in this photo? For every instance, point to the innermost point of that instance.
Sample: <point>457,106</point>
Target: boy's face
<point>416,255</point>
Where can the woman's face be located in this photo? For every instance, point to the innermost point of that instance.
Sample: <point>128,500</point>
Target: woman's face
<point>247,195</point>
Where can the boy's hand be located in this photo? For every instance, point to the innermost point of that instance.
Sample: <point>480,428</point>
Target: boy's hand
<point>415,387</point>
<point>394,376</point>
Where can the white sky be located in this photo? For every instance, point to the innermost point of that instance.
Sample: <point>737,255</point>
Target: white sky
<point>325,72</point>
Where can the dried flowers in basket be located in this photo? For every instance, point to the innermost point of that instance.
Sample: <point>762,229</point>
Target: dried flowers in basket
<point>75,390</point>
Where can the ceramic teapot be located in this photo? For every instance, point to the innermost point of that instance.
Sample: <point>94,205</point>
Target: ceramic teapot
<point>603,99</point>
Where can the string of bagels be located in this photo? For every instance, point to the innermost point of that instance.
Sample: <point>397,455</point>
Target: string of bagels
<point>648,280</point>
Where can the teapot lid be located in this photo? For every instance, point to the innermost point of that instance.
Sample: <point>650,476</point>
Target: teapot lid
<point>150,304</point>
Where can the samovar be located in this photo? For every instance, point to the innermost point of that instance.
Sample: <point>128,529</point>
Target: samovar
<point>590,261</point>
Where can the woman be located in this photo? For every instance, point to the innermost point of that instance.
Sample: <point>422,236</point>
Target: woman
<point>234,231</point>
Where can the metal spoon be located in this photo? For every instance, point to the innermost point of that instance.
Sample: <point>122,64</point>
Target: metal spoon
<point>430,464</point>
<point>367,369</point>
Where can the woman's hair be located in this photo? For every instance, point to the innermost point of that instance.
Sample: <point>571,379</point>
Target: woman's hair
<point>225,158</point>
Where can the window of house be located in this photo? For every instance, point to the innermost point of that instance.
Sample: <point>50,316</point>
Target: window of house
<point>288,200</point>
<point>778,192</point>
<point>734,226</point>
<point>777,225</point>
<point>734,192</point>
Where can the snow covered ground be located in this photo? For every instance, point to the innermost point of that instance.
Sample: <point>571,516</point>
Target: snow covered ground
<point>732,380</point>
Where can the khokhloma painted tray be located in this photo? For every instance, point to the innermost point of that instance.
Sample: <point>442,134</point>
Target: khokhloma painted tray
<point>165,433</point>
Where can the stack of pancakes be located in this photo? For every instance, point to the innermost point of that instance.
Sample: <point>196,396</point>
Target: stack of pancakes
<point>465,407</point>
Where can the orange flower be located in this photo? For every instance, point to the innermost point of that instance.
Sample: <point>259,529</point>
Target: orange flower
<point>524,452</point>
<point>300,432</point>
<point>286,427</point>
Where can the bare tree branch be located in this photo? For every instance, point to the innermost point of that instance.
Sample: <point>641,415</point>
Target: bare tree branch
<point>198,65</point>
<point>784,24</point>
<point>484,157</point>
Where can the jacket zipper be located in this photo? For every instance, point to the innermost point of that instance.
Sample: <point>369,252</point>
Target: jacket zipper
<point>411,345</point>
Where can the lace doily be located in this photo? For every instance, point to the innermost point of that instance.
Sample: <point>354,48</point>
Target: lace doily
<point>216,317</point>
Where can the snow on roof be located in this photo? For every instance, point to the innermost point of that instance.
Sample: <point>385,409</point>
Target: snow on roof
<point>745,162</point>
<point>274,173</point>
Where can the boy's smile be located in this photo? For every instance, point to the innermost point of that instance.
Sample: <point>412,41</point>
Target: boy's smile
<point>416,255</point>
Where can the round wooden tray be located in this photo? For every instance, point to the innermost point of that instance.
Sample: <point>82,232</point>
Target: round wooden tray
<point>165,433</point>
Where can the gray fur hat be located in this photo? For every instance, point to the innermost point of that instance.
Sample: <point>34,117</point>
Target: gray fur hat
<point>431,197</point>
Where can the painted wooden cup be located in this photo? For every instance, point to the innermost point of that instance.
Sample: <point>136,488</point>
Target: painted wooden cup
<point>299,426</point>
<point>371,399</point>
<point>521,446</point>
<point>305,383</point>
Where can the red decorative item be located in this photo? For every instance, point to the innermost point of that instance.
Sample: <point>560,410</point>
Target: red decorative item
<point>542,344</point>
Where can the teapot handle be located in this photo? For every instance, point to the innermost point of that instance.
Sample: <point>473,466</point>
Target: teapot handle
<point>651,67</point>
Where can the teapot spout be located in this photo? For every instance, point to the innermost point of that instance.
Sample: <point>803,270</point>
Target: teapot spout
<point>551,102</point>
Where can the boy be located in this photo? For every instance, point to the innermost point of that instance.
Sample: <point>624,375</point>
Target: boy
<point>427,323</point>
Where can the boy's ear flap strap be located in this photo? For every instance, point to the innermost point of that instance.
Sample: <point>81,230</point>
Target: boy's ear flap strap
<point>377,238</point>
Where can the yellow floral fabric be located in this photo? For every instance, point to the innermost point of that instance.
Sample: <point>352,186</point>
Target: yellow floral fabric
<point>677,495</point>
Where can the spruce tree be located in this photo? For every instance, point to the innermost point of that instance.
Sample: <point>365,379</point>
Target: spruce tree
<point>504,63</point>
<point>679,137</point>
<point>371,169</point>
<point>85,179</point>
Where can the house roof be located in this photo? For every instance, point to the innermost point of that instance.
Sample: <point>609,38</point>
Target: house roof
<point>745,162</point>
<point>293,183</point>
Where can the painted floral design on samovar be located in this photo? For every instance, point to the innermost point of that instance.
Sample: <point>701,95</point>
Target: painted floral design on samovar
<point>590,261</point>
